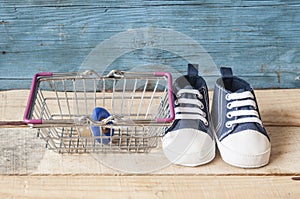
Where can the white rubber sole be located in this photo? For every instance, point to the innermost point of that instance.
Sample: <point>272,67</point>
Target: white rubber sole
<point>235,158</point>
<point>188,147</point>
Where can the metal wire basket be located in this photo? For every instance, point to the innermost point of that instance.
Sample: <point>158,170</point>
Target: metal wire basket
<point>140,107</point>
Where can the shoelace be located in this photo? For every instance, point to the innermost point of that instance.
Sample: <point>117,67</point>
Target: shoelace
<point>242,99</point>
<point>185,112</point>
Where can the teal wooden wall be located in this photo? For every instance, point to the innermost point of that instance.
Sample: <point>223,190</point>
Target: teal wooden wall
<point>259,39</point>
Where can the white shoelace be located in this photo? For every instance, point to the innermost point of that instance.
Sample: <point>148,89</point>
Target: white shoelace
<point>242,99</point>
<point>185,112</point>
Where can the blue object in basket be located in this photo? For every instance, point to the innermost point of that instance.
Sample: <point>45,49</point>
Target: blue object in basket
<point>98,115</point>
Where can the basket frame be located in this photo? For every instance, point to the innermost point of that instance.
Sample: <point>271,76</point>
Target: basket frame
<point>52,130</point>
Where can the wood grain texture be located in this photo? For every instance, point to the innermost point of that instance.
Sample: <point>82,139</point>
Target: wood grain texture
<point>148,187</point>
<point>28,170</point>
<point>277,107</point>
<point>24,153</point>
<point>259,39</point>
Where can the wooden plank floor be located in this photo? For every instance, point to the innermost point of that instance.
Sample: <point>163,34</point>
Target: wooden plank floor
<point>28,170</point>
<point>148,187</point>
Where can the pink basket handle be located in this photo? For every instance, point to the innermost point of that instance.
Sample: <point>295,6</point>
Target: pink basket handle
<point>170,96</point>
<point>31,98</point>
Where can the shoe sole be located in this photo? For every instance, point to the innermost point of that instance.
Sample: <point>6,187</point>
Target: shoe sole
<point>179,147</point>
<point>244,161</point>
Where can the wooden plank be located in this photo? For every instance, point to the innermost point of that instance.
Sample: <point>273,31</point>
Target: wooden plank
<point>21,151</point>
<point>277,107</point>
<point>13,105</point>
<point>284,160</point>
<point>24,153</point>
<point>259,39</point>
<point>148,187</point>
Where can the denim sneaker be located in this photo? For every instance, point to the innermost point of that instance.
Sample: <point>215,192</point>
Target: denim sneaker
<point>190,141</point>
<point>241,138</point>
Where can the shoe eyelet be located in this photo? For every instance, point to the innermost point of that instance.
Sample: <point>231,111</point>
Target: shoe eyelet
<point>206,123</point>
<point>176,102</point>
<point>228,115</point>
<point>229,106</point>
<point>178,95</point>
<point>200,96</point>
<point>228,125</point>
<point>227,97</point>
<point>201,106</point>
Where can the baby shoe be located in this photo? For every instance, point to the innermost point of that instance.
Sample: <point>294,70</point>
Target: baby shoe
<point>241,138</point>
<point>189,141</point>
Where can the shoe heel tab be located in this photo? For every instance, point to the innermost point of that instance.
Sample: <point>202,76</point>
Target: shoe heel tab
<point>226,72</point>
<point>193,70</point>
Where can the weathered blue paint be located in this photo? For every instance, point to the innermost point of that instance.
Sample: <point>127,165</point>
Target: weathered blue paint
<point>258,39</point>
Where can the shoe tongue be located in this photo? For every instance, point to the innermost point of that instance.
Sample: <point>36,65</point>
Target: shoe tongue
<point>189,82</point>
<point>183,83</point>
<point>188,87</point>
<point>189,95</point>
<point>186,82</point>
<point>241,90</point>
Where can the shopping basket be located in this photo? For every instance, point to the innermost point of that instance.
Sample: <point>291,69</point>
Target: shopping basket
<point>140,106</point>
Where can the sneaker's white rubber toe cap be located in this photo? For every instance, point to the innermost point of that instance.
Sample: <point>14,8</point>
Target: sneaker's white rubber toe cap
<point>246,149</point>
<point>188,147</point>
